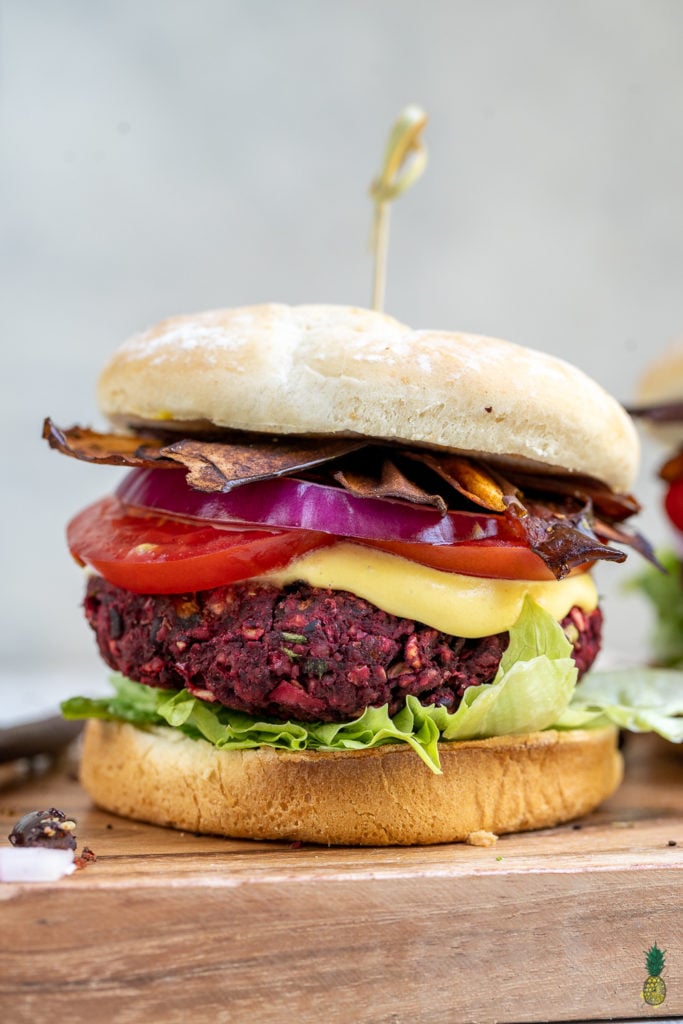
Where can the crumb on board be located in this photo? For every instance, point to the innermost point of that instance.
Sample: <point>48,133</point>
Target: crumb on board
<point>86,857</point>
<point>482,838</point>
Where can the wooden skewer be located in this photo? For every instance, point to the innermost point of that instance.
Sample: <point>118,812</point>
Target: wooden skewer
<point>405,159</point>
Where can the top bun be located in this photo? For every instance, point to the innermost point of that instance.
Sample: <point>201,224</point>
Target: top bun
<point>661,384</point>
<point>337,370</point>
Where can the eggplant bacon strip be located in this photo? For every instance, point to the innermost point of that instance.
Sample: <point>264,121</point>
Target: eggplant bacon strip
<point>211,465</point>
<point>469,478</point>
<point>617,533</point>
<point>110,449</point>
<point>661,412</point>
<point>390,482</point>
<point>564,539</point>
<point>567,520</point>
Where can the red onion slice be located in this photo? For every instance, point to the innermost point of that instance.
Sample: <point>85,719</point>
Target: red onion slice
<point>289,503</point>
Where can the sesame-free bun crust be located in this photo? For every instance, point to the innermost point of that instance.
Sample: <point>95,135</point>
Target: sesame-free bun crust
<point>379,797</point>
<point>337,370</point>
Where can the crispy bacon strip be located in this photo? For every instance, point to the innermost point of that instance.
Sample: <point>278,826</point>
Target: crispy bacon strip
<point>111,449</point>
<point>564,539</point>
<point>389,483</point>
<point>554,513</point>
<point>609,504</point>
<point>212,465</point>
<point>467,477</point>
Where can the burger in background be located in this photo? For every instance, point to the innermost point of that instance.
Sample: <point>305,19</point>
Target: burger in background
<point>345,585</point>
<point>660,408</point>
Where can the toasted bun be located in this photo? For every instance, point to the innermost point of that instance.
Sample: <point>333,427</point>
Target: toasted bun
<point>325,370</point>
<point>661,383</point>
<point>379,797</point>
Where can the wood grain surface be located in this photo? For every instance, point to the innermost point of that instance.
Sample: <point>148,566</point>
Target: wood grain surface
<point>172,927</point>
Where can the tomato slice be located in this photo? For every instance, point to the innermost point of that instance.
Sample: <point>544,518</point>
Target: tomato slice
<point>155,554</point>
<point>502,560</point>
<point>673,503</point>
<point>152,554</point>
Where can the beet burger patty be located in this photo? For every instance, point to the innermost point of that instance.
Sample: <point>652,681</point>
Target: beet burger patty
<point>299,652</point>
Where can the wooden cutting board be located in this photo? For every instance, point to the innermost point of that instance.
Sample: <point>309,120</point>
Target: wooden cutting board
<point>173,927</point>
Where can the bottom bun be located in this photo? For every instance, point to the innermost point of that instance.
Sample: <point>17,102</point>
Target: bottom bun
<point>379,797</point>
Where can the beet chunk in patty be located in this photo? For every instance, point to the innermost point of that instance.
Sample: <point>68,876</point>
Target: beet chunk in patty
<point>298,653</point>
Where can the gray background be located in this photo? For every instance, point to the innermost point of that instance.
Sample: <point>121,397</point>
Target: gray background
<point>163,157</point>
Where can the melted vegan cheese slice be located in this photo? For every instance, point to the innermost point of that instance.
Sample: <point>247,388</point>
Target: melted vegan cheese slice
<point>467,606</point>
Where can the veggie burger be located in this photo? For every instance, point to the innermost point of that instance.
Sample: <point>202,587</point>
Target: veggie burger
<point>660,408</point>
<point>344,585</point>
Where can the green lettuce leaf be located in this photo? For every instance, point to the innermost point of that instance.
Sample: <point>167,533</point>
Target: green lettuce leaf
<point>531,690</point>
<point>665,592</point>
<point>130,702</point>
<point>235,730</point>
<point>533,686</point>
<point>637,699</point>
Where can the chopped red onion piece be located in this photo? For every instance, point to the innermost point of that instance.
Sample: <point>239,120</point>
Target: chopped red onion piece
<point>34,864</point>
